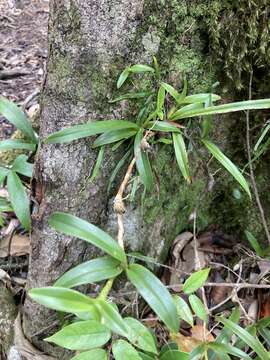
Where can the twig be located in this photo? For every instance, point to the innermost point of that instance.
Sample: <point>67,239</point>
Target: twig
<point>119,206</point>
<point>9,74</point>
<point>251,171</point>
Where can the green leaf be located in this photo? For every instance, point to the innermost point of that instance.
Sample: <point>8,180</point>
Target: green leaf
<point>200,98</point>
<point>160,99</point>
<point>195,281</point>
<point>89,129</point>
<point>5,205</point>
<point>111,318</point>
<point>62,299</point>
<point>146,356</point>
<point>168,347</point>
<point>138,68</point>
<point>227,348</point>
<point>96,354</point>
<point>113,136</point>
<point>3,174</point>
<point>175,355</point>
<point>229,166</point>
<point>138,95</point>
<point>21,166</point>
<point>225,108</point>
<point>163,126</point>
<point>155,294</point>
<point>258,143</point>
<point>186,109</point>
<point>97,164</point>
<point>181,155</point>
<point>82,335</point>
<point>171,90</point>
<point>16,144</point>
<point>90,272</point>
<point>198,307</point>
<point>19,199</point>
<point>156,66</point>
<point>123,77</point>
<point>118,167</point>
<point>123,350</point>
<point>254,243</point>
<point>252,341</point>
<point>183,310</point>
<point>142,162</point>
<point>74,226</point>
<point>18,118</point>
<point>140,336</point>
<point>179,98</point>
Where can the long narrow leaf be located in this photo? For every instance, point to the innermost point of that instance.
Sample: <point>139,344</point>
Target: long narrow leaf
<point>139,95</point>
<point>74,226</point>
<point>155,294</point>
<point>89,129</point>
<point>229,166</point>
<point>118,167</point>
<point>163,126</point>
<point>258,143</point>
<point>138,68</point>
<point>252,341</point>
<point>142,162</point>
<point>90,272</point>
<point>98,163</point>
<point>226,108</point>
<point>200,98</point>
<point>113,136</point>
<point>3,174</point>
<point>16,144</point>
<point>21,166</point>
<point>181,155</point>
<point>18,118</point>
<point>123,77</point>
<point>19,199</point>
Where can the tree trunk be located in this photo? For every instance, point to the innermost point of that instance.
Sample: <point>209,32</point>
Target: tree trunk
<point>90,42</point>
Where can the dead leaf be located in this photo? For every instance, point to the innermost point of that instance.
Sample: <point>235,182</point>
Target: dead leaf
<point>179,243</point>
<point>19,245</point>
<point>13,224</point>
<point>219,293</point>
<point>253,311</point>
<point>264,266</point>
<point>198,335</point>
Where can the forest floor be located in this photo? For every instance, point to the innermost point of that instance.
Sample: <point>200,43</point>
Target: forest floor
<point>23,52</point>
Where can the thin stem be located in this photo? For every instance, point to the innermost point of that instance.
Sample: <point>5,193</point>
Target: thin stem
<point>251,171</point>
<point>105,291</point>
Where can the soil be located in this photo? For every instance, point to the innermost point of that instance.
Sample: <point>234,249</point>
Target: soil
<point>23,52</point>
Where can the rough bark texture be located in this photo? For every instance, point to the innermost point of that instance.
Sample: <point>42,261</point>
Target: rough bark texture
<point>8,313</point>
<point>90,42</point>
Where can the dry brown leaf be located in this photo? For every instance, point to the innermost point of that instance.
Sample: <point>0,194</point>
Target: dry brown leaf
<point>198,335</point>
<point>19,245</point>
